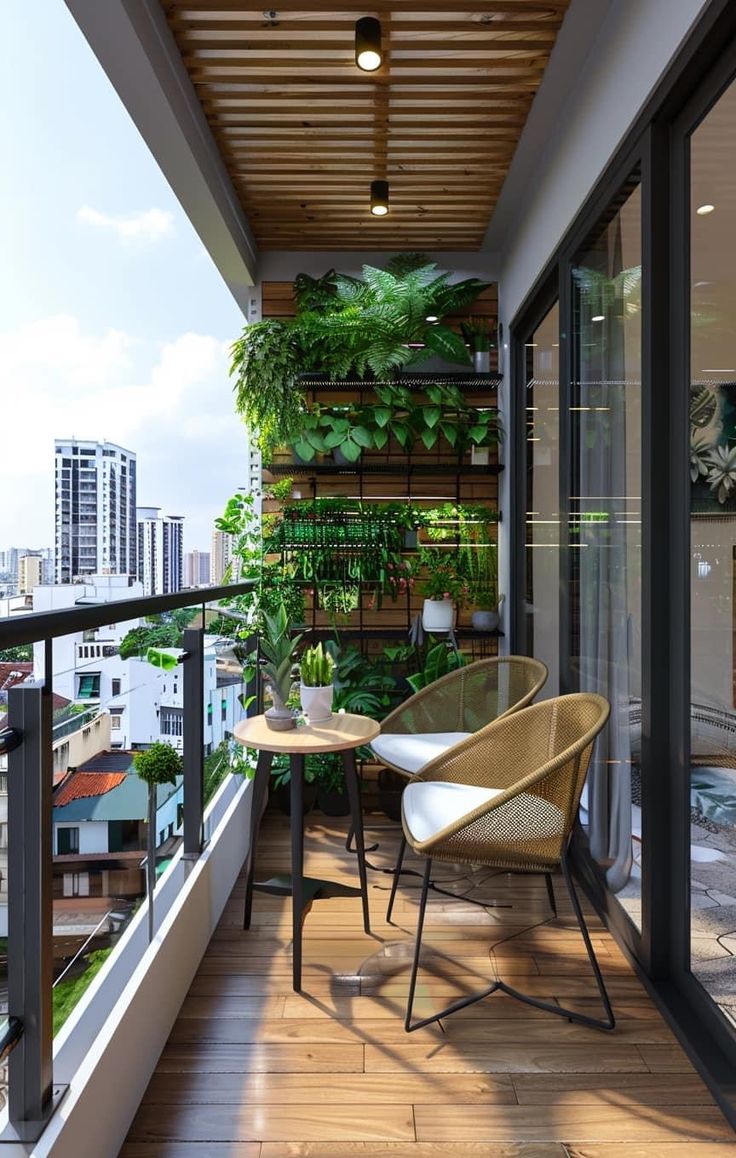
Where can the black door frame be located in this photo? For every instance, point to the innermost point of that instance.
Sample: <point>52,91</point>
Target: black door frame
<point>658,146</point>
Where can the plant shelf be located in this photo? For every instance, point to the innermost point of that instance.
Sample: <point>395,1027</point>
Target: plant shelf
<point>398,469</point>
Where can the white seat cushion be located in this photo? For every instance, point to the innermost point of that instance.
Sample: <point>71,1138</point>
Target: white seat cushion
<point>428,808</point>
<point>413,750</point>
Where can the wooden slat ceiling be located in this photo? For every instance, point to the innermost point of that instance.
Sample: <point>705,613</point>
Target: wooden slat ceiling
<point>304,132</point>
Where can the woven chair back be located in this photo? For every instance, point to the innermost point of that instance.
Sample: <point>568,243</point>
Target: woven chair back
<point>538,757</point>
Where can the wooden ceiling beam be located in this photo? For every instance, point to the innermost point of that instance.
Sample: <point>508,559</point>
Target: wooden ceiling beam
<point>306,23</point>
<point>303,132</point>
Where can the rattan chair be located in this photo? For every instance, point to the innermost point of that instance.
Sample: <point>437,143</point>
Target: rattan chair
<point>507,798</point>
<point>455,707</point>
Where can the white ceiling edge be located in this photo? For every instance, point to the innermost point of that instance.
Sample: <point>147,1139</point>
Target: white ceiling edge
<point>575,40</point>
<point>137,51</point>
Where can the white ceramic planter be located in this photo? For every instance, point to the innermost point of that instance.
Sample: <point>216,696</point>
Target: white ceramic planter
<point>317,702</point>
<point>438,615</point>
<point>481,361</point>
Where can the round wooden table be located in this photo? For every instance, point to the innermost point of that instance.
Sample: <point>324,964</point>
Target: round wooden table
<point>343,733</point>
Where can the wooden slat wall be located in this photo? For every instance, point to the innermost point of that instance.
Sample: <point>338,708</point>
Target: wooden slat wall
<point>303,131</point>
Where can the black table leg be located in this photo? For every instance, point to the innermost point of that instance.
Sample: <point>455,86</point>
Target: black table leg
<point>297,866</point>
<point>353,786</point>
<point>260,789</point>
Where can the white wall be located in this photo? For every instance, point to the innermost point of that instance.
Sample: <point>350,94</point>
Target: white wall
<point>92,835</point>
<point>633,48</point>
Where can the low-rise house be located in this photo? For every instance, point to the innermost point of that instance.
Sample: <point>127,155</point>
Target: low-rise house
<point>99,834</point>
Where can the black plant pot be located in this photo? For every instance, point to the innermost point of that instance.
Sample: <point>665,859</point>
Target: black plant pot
<point>390,788</point>
<point>283,798</point>
<point>333,803</point>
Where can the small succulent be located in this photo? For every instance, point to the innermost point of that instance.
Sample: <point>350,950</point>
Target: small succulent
<point>317,667</point>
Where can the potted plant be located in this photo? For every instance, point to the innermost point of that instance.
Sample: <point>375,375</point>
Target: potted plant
<point>317,687</point>
<point>278,648</point>
<point>486,615</point>
<point>444,590</point>
<point>477,333</point>
<point>332,796</point>
<point>159,764</point>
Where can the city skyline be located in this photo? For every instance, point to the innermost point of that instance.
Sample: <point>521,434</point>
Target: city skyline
<point>97,338</point>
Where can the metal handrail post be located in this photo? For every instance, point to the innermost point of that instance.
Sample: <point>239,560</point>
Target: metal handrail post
<point>30,913</point>
<point>193,697</point>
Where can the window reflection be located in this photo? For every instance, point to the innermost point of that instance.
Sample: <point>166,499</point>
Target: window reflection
<point>713,552</point>
<point>605,533</point>
<point>542,517</point>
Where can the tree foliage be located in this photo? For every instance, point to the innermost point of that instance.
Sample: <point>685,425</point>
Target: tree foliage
<point>159,764</point>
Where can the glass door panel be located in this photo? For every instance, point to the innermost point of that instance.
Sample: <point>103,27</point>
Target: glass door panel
<point>542,593</point>
<point>605,533</point>
<point>713,552</point>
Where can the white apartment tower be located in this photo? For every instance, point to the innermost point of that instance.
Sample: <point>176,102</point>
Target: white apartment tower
<point>160,551</point>
<point>95,510</point>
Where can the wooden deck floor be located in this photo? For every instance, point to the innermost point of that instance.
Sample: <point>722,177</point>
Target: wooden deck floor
<point>252,1070</point>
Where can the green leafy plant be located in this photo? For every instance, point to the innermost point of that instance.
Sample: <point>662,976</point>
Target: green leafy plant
<point>377,323</point>
<point>278,647</point>
<point>442,580</point>
<point>477,333</point>
<point>265,364</point>
<point>327,769</point>
<point>439,660</point>
<point>317,667</point>
<point>361,685</point>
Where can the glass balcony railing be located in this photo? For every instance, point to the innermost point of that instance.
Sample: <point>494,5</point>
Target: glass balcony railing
<point>77,781</point>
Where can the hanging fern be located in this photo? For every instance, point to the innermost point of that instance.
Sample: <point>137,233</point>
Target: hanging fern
<point>265,364</point>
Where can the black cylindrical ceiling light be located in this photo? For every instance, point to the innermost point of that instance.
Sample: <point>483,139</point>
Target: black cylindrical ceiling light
<point>379,198</point>
<point>368,44</point>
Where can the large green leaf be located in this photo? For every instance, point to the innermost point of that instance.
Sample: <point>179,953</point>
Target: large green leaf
<point>362,436</point>
<point>449,345</point>
<point>429,438</point>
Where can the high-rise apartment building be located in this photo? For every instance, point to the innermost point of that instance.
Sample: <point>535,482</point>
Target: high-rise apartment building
<point>196,568</point>
<point>95,510</point>
<point>160,551</point>
<point>220,556</point>
<point>30,572</point>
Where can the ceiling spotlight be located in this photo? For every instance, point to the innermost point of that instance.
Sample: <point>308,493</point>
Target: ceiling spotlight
<point>379,198</point>
<point>431,318</point>
<point>598,318</point>
<point>704,210</point>
<point>368,44</point>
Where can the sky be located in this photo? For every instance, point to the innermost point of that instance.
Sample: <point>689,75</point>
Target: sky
<point>114,323</point>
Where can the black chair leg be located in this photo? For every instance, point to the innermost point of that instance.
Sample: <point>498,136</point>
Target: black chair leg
<point>551,893</point>
<point>420,927</point>
<point>395,881</point>
<point>609,1021</point>
<point>605,1023</point>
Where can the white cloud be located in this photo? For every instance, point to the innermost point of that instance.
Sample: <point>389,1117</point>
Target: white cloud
<point>170,402</point>
<point>146,227</point>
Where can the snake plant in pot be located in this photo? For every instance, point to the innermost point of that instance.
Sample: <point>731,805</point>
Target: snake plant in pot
<point>317,686</point>
<point>277,667</point>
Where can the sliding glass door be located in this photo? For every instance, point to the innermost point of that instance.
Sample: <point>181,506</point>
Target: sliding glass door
<point>605,524</point>
<point>541,623</point>
<point>712,199</point>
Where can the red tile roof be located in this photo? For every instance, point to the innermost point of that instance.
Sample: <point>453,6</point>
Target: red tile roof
<point>82,784</point>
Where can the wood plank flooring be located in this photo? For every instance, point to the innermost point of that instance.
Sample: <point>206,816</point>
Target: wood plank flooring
<point>253,1070</point>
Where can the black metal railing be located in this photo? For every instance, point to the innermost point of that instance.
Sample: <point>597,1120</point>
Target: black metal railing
<point>27,743</point>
